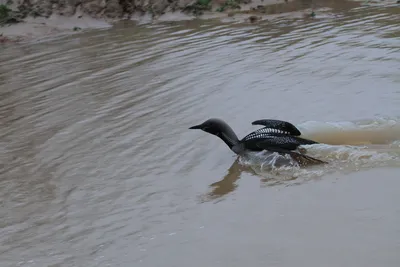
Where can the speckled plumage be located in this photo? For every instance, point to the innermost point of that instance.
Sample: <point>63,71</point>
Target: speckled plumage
<point>279,126</point>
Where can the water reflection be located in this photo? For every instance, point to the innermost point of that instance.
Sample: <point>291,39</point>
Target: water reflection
<point>228,183</point>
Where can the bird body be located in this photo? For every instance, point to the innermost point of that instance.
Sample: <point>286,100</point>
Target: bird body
<point>277,136</point>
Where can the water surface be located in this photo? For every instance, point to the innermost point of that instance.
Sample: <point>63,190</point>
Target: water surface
<point>98,166</point>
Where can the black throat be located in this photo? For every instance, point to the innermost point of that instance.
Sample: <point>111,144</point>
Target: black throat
<point>229,139</point>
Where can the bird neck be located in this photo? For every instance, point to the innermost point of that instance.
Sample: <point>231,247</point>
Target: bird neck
<point>229,136</point>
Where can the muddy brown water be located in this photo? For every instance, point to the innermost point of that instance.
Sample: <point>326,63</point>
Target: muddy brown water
<point>98,167</point>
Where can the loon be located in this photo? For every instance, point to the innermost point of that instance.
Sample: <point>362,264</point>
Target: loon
<point>277,136</point>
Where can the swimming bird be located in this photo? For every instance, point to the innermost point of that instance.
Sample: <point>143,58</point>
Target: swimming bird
<point>277,136</point>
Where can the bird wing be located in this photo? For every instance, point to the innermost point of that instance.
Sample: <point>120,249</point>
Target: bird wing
<point>278,139</point>
<point>286,142</point>
<point>285,145</point>
<point>283,126</point>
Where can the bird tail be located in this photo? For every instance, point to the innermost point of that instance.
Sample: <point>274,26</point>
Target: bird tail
<point>306,160</point>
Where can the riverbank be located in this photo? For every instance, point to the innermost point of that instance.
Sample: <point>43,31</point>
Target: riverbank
<point>32,19</point>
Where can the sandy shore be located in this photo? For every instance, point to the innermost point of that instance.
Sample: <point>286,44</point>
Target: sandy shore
<point>36,28</point>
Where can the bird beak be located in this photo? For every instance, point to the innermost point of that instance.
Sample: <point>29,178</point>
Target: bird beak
<point>196,127</point>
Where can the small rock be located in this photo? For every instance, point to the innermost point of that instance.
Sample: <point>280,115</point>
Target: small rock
<point>253,19</point>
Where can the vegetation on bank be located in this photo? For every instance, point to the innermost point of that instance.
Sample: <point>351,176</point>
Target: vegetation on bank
<point>4,14</point>
<point>198,7</point>
<point>115,9</point>
<point>119,9</point>
<point>229,4</point>
<point>8,16</point>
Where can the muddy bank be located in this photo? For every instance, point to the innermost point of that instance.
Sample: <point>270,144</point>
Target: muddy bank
<point>25,19</point>
<point>120,9</point>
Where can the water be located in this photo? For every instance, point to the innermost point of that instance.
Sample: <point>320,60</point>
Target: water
<point>98,166</point>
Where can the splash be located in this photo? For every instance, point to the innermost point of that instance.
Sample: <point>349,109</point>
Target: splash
<point>346,146</point>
